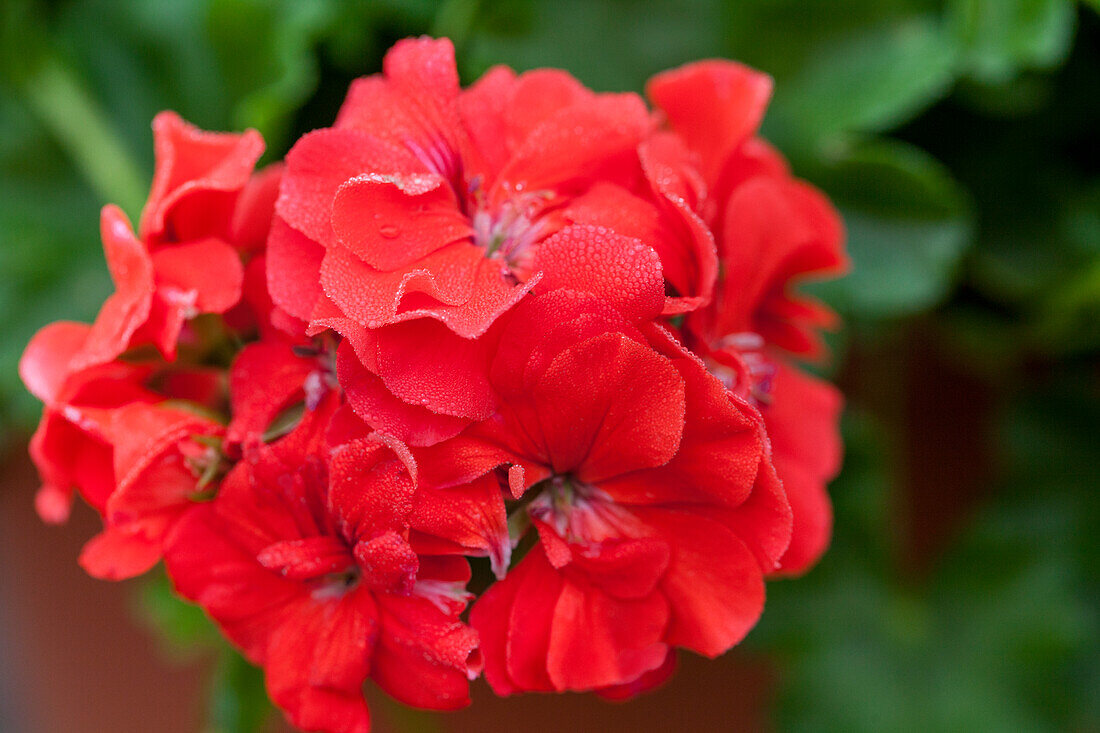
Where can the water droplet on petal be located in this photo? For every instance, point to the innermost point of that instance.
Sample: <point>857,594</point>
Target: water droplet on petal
<point>389,231</point>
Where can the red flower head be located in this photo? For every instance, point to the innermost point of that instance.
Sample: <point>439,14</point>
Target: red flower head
<point>165,459</point>
<point>772,230</point>
<point>304,561</point>
<point>521,321</point>
<point>204,210</point>
<point>425,201</point>
<point>656,510</point>
<point>134,458</point>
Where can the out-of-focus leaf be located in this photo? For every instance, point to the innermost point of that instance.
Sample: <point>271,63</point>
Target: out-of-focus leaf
<point>1069,318</point>
<point>238,700</point>
<point>76,121</point>
<point>842,65</point>
<point>869,80</point>
<point>999,38</point>
<point>266,52</point>
<point>647,36</point>
<point>183,627</point>
<point>49,248</point>
<point>1037,236</point>
<point>861,651</point>
<point>908,222</point>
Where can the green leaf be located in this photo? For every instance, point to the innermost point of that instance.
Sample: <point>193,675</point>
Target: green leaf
<point>184,628</point>
<point>1001,38</point>
<point>909,224</point>
<point>267,52</point>
<point>49,247</point>
<point>238,699</point>
<point>867,80</point>
<point>646,36</point>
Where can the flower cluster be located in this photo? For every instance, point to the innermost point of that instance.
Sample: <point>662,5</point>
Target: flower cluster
<point>521,321</point>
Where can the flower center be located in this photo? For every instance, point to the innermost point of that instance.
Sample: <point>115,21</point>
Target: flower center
<point>579,512</point>
<point>740,363</point>
<point>508,229</point>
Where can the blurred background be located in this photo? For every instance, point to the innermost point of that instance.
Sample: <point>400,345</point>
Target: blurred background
<point>959,138</point>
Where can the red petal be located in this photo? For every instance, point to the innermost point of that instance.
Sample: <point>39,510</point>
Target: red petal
<point>317,661</point>
<point>424,363</point>
<point>483,108</point>
<point>538,96</point>
<point>812,519</point>
<point>208,268</point>
<point>125,311</point>
<point>197,178</point>
<point>44,366</point>
<point>775,231</point>
<point>414,105</point>
<point>255,209</point>
<point>460,460</point>
<point>423,657</point>
<point>116,554</point>
<point>542,326</point>
<point>627,415</point>
<point>715,105</point>
<point>209,566</point>
<point>491,617</point>
<point>319,163</point>
<point>372,489</point>
<point>627,569</point>
<point>293,270</point>
<point>622,271</point>
<point>598,640</point>
<point>265,379</point>
<point>714,585</point>
<point>674,182</point>
<point>802,423</point>
<point>455,285</point>
<point>581,142</point>
<point>530,622</point>
<point>391,221</point>
<point>388,563</point>
<point>802,417</point>
<point>372,401</point>
<point>648,682</point>
<point>718,457</point>
<point>469,519</point>
<point>306,559</point>
<point>53,504</point>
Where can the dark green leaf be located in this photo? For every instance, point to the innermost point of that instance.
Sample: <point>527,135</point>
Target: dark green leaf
<point>999,38</point>
<point>908,222</point>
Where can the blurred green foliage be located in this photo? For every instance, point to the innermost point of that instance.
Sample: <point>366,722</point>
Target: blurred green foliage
<point>958,138</point>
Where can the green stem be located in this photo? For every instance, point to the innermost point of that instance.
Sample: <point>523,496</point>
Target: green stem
<point>77,122</point>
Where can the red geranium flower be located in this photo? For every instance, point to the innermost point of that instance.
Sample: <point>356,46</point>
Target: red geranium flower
<point>428,202</point>
<point>521,321</point>
<point>656,509</point>
<point>164,460</point>
<point>303,560</point>
<point>772,231</point>
<point>184,264</point>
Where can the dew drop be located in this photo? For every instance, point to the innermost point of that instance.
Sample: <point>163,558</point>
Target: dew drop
<point>389,231</point>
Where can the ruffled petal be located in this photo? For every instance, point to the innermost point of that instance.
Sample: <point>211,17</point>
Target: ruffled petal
<point>198,177</point>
